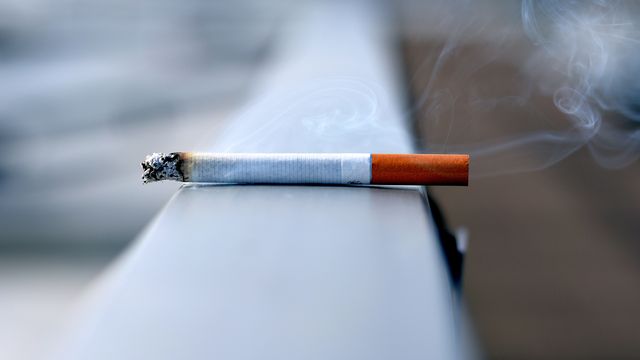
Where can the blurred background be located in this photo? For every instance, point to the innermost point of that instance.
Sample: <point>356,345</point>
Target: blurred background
<point>544,95</point>
<point>88,89</point>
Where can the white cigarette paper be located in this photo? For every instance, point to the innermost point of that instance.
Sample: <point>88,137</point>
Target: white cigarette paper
<point>246,168</point>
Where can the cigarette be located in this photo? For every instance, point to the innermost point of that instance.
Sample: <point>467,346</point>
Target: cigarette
<point>303,168</point>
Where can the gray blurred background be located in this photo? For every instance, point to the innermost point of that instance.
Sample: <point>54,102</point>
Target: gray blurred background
<point>90,87</point>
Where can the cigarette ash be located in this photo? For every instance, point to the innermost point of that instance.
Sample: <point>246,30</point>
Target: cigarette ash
<point>159,166</point>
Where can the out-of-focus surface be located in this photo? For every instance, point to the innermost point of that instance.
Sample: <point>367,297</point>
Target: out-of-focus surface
<point>277,272</point>
<point>553,262</point>
<point>39,290</point>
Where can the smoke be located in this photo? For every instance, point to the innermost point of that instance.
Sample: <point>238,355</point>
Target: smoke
<point>329,110</point>
<point>596,45</point>
<point>581,55</point>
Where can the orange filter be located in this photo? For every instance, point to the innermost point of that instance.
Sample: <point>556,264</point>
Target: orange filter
<point>419,169</point>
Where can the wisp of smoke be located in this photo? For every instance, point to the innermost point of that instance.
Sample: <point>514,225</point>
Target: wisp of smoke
<point>584,58</point>
<point>595,45</point>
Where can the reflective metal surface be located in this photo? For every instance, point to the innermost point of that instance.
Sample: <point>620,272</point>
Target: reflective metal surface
<point>295,272</point>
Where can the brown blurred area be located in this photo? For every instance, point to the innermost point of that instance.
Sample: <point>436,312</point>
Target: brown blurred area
<point>552,270</point>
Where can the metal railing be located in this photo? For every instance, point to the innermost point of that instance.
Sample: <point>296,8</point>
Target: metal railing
<point>299,272</point>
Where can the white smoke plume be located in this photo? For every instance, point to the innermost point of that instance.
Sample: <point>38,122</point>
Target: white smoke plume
<point>596,45</point>
<point>582,55</point>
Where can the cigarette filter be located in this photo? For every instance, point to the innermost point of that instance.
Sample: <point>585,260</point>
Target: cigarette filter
<point>348,168</point>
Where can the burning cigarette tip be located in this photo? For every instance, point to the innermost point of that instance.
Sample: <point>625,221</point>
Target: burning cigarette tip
<point>159,166</point>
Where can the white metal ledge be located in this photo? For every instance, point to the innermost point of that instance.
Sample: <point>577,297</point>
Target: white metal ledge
<point>289,272</point>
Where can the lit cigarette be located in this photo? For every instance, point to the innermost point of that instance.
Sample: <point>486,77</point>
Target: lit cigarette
<point>390,169</point>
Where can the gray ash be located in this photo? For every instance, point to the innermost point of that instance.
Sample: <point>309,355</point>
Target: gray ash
<point>159,166</point>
